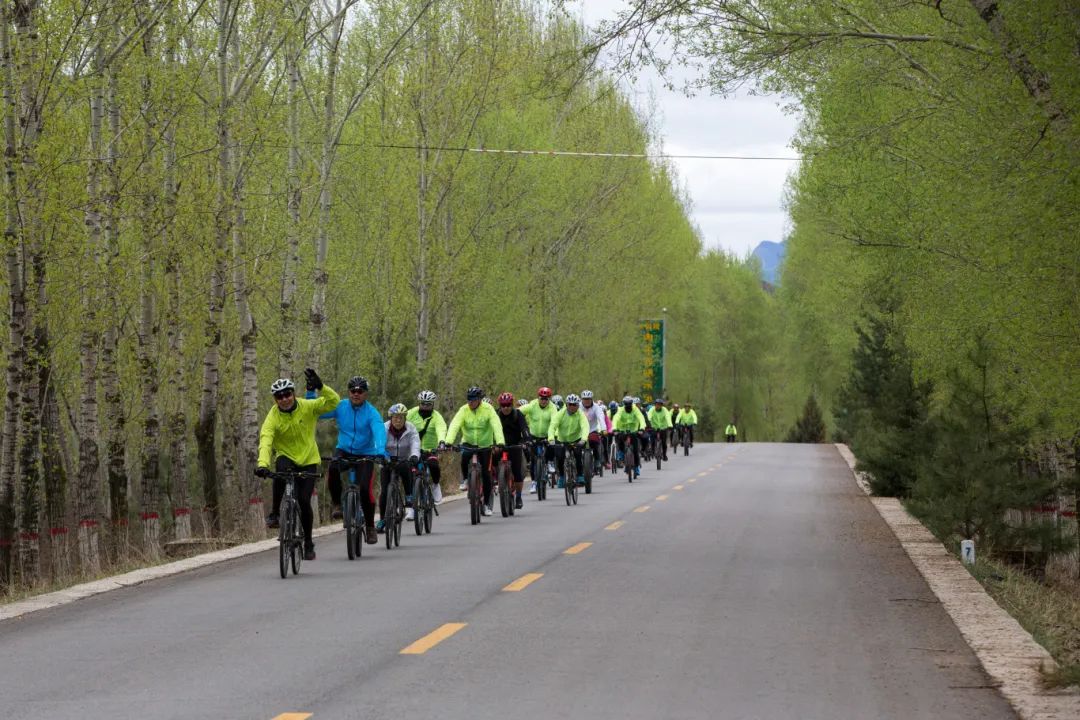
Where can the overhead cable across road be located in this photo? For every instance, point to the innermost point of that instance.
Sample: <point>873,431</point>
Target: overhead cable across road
<point>573,153</point>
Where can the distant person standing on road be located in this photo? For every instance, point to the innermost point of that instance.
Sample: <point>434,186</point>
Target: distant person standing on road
<point>730,432</point>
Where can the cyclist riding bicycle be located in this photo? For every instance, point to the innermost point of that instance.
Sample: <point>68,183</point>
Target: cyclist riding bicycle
<point>481,431</point>
<point>660,419</point>
<point>594,413</point>
<point>360,433</point>
<point>687,420</point>
<point>539,413</point>
<point>288,437</point>
<point>569,426</point>
<point>431,427</point>
<point>403,451</point>
<point>515,432</point>
<point>629,419</point>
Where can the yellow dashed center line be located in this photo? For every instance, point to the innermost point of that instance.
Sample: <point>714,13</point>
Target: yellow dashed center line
<point>643,508</point>
<point>677,487</point>
<point>615,525</point>
<point>292,716</point>
<point>577,548</point>
<point>692,480</point>
<point>661,497</point>
<point>523,582</point>
<point>702,474</point>
<point>432,639</point>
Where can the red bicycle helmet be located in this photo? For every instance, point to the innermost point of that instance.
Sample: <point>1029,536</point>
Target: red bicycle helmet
<point>506,399</point>
<point>544,392</point>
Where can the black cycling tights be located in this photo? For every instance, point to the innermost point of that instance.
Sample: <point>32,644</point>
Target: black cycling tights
<point>304,488</point>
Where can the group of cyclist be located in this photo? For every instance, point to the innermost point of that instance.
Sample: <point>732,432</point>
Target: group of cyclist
<point>411,436</point>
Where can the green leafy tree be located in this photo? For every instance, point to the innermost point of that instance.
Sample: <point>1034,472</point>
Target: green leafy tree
<point>810,427</point>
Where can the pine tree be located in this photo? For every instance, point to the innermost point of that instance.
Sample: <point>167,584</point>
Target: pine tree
<point>881,409</point>
<point>810,428</point>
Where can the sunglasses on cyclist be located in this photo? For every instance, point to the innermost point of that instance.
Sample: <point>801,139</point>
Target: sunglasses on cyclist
<point>283,394</point>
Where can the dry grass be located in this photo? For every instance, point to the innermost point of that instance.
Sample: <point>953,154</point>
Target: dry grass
<point>1050,612</point>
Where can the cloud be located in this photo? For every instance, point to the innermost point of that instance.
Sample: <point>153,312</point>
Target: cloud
<point>736,203</point>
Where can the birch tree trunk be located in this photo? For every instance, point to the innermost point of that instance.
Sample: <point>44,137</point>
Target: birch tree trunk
<point>248,440</point>
<point>15,314</point>
<point>115,417</point>
<point>294,45</point>
<point>87,502</point>
<point>177,423</point>
<point>150,458</point>
<point>326,161</point>
<point>206,426</point>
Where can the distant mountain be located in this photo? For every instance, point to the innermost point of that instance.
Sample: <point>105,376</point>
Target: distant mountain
<point>770,255</point>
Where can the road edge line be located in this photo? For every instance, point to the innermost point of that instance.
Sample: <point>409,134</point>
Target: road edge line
<point>65,596</point>
<point>1007,652</point>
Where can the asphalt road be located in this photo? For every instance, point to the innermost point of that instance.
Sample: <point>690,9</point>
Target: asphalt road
<point>758,583</point>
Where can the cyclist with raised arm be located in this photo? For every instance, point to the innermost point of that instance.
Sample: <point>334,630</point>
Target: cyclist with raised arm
<point>481,431</point>
<point>361,433</point>
<point>539,413</point>
<point>287,437</point>
<point>630,421</point>
<point>569,426</point>
<point>515,432</point>
<point>594,414</point>
<point>660,419</point>
<point>403,452</point>
<point>431,427</point>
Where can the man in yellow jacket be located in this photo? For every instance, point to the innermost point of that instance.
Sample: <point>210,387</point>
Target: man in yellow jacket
<point>569,426</point>
<point>288,438</point>
<point>480,430</point>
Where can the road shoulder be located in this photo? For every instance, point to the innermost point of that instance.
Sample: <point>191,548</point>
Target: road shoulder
<point>1007,652</point>
<point>70,594</point>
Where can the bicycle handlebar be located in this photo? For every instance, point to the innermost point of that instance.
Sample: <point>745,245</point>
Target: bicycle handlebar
<point>292,475</point>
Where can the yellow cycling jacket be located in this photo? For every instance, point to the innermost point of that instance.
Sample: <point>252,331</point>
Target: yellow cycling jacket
<point>292,434</point>
<point>565,427</point>
<point>480,427</point>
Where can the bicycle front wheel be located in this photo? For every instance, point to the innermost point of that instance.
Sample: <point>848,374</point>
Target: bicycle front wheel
<point>349,518</point>
<point>388,517</point>
<point>504,490</point>
<point>476,492</point>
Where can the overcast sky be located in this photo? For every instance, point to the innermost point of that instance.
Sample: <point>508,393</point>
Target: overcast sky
<point>736,203</point>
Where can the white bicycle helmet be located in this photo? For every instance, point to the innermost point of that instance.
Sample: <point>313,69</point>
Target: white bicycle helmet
<point>397,409</point>
<point>586,395</point>
<point>522,402</point>
<point>426,396</point>
<point>282,384</point>
<point>573,399</point>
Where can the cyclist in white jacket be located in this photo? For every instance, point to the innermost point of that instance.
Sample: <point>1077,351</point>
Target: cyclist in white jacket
<point>403,452</point>
<point>594,413</point>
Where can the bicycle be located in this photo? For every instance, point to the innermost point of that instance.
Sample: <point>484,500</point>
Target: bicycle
<point>628,458</point>
<point>291,531</point>
<point>474,484</point>
<point>424,508</point>
<point>395,510</point>
<point>570,473</point>
<point>536,468</point>
<point>588,467</point>
<point>657,450</point>
<point>506,493</point>
<point>352,510</point>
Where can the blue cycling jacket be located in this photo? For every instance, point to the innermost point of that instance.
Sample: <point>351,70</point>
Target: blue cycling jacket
<point>360,429</point>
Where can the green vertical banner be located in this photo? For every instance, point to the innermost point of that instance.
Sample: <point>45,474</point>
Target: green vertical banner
<point>652,361</point>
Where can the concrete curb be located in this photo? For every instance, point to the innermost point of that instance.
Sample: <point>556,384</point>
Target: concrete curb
<point>138,577</point>
<point>1007,652</point>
